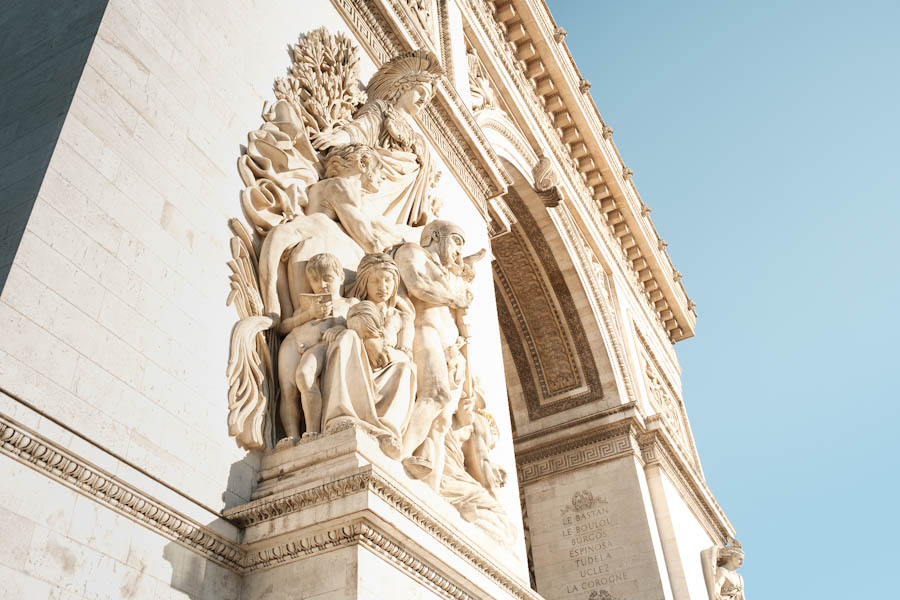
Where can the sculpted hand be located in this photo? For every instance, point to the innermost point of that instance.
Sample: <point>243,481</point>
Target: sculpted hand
<point>322,310</point>
<point>466,298</point>
<point>383,359</point>
<point>499,475</point>
<point>323,140</point>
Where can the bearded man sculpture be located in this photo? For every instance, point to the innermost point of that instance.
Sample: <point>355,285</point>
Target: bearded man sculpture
<point>434,274</point>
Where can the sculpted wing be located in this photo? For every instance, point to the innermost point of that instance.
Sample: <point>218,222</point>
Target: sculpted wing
<point>250,364</point>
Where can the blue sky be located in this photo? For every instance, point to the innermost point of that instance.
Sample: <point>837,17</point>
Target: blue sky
<point>764,136</point>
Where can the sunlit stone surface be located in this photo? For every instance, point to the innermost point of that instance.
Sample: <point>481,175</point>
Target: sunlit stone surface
<point>381,316</point>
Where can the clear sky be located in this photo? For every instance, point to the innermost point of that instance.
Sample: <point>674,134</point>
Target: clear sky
<point>764,135</point>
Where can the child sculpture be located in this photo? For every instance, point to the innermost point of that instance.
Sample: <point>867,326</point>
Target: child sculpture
<point>318,320</point>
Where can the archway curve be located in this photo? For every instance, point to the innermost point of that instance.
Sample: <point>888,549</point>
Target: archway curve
<point>559,366</point>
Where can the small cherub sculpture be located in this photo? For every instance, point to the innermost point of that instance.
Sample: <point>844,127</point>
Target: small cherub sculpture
<point>320,317</point>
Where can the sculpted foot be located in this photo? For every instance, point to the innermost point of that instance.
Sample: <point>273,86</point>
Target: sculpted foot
<point>417,467</point>
<point>390,445</point>
<point>286,442</point>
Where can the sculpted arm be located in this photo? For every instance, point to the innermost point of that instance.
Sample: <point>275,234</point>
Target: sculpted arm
<point>479,466</point>
<point>315,311</point>
<point>363,129</point>
<point>425,282</point>
<point>408,329</point>
<point>345,201</point>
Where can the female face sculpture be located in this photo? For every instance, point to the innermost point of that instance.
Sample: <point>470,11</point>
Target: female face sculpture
<point>377,280</point>
<point>414,99</point>
<point>381,285</point>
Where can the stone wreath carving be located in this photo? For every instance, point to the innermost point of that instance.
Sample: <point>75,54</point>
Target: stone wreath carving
<point>352,296</point>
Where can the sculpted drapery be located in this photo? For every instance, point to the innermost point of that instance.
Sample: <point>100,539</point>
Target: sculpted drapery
<point>351,294</point>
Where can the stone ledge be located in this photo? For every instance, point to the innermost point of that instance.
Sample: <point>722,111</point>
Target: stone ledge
<point>21,443</point>
<point>359,480</point>
<point>379,534</point>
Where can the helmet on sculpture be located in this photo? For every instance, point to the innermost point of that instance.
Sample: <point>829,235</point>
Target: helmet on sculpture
<point>439,229</point>
<point>403,72</point>
<point>730,552</point>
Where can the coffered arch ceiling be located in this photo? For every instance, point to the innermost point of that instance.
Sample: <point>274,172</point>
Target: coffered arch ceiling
<point>553,340</point>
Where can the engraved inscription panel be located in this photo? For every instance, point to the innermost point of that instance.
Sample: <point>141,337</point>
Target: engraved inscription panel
<point>585,524</point>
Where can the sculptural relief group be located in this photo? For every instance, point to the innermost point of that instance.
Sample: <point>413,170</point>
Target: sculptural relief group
<point>353,296</point>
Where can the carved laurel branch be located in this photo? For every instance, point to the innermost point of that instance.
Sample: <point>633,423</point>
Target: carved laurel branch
<point>26,446</point>
<point>250,368</point>
<point>323,84</point>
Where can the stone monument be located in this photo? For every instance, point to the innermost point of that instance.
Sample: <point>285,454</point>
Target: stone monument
<point>448,331</point>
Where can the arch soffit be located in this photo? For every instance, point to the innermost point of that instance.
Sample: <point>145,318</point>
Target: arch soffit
<point>557,366</point>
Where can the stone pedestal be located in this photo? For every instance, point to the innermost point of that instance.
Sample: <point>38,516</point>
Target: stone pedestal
<point>336,518</point>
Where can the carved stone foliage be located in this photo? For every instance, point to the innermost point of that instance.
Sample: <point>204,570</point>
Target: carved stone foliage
<point>666,405</point>
<point>546,182</point>
<point>537,314</point>
<point>720,565</point>
<point>352,296</point>
<point>483,94</point>
<point>423,12</point>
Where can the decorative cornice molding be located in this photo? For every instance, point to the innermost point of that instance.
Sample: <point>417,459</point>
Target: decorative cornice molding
<point>372,481</point>
<point>624,249</point>
<point>569,425</point>
<point>657,449</point>
<point>45,456</point>
<point>599,445</point>
<point>554,93</point>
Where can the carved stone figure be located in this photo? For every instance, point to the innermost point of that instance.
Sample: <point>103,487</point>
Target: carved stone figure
<point>316,323</point>
<point>422,10</point>
<point>398,91</point>
<point>470,480</point>
<point>437,280</point>
<point>370,380</point>
<point>483,96</point>
<point>334,171</point>
<point>720,565</point>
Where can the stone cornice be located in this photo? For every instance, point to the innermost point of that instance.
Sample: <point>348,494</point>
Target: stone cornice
<point>376,538</point>
<point>512,71</point>
<point>45,456</point>
<point>595,446</point>
<point>568,425</point>
<point>30,448</point>
<point>522,36</point>
<point>657,449</point>
<point>627,436</point>
<point>598,137</point>
<point>370,480</point>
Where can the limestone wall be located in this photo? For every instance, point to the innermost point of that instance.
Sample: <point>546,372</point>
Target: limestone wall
<point>43,53</point>
<point>114,316</point>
